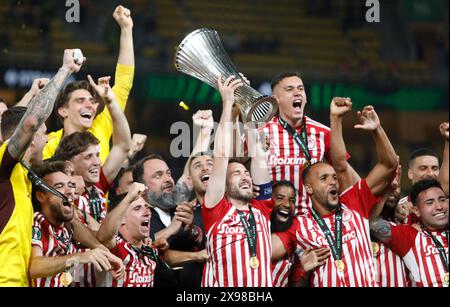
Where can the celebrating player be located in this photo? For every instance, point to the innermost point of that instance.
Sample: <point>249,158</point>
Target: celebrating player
<point>237,227</point>
<point>24,134</point>
<point>340,222</point>
<point>425,251</point>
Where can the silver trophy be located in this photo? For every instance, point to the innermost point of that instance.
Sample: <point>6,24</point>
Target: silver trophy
<point>202,55</point>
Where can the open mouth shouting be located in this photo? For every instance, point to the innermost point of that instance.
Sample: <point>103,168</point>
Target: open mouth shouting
<point>245,185</point>
<point>283,214</point>
<point>87,116</point>
<point>145,226</point>
<point>205,178</point>
<point>333,193</point>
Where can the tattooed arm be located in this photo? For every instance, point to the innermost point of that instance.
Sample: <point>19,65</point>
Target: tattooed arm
<point>41,107</point>
<point>381,229</point>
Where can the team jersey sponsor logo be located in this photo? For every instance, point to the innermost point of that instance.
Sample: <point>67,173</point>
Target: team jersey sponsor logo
<point>275,160</point>
<point>232,225</point>
<point>431,250</point>
<point>136,278</point>
<point>349,236</point>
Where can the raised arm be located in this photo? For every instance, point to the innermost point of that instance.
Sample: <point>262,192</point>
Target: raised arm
<point>203,120</point>
<point>347,176</point>
<point>125,63</point>
<point>383,172</point>
<point>137,144</point>
<point>123,18</point>
<point>259,167</point>
<point>121,135</point>
<point>378,208</point>
<point>443,172</point>
<point>110,226</point>
<point>37,85</point>
<point>41,107</point>
<point>222,144</point>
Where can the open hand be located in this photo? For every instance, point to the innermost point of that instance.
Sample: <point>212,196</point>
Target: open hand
<point>367,119</point>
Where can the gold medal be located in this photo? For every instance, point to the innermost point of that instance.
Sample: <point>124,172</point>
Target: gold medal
<point>445,279</point>
<point>254,262</point>
<point>340,265</point>
<point>375,248</point>
<point>66,279</point>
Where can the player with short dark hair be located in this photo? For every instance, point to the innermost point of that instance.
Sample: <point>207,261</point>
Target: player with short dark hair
<point>25,143</point>
<point>341,222</point>
<point>424,250</point>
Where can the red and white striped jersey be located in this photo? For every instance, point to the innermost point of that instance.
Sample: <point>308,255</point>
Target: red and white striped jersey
<point>286,158</point>
<point>357,202</point>
<point>420,254</point>
<point>85,274</point>
<point>390,269</point>
<point>282,270</point>
<point>226,243</point>
<point>54,241</point>
<point>139,269</point>
<point>101,189</point>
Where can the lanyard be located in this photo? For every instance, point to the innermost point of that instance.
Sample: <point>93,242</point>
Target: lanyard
<point>250,229</point>
<point>95,203</point>
<point>147,251</point>
<point>62,242</point>
<point>301,140</point>
<point>438,245</point>
<point>336,246</point>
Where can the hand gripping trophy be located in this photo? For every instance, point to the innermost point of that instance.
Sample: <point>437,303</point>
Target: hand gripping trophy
<point>202,55</point>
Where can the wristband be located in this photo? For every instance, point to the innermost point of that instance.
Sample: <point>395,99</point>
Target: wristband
<point>265,191</point>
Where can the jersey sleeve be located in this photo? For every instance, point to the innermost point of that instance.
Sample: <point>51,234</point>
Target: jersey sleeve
<point>7,201</point>
<point>266,206</point>
<point>288,237</point>
<point>103,184</point>
<point>402,239</point>
<point>7,162</point>
<point>359,198</point>
<point>119,249</point>
<point>37,237</point>
<point>123,83</point>
<point>212,215</point>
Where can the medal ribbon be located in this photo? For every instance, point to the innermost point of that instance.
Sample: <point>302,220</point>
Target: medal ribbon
<point>301,140</point>
<point>438,245</point>
<point>63,243</point>
<point>250,229</point>
<point>149,252</point>
<point>336,246</point>
<point>95,204</point>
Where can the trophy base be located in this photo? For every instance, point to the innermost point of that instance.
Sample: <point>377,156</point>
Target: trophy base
<point>262,111</point>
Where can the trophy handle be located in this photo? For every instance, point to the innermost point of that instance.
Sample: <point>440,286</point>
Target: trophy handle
<point>263,109</point>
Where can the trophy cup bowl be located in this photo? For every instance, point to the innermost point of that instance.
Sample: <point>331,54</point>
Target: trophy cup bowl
<point>202,56</point>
